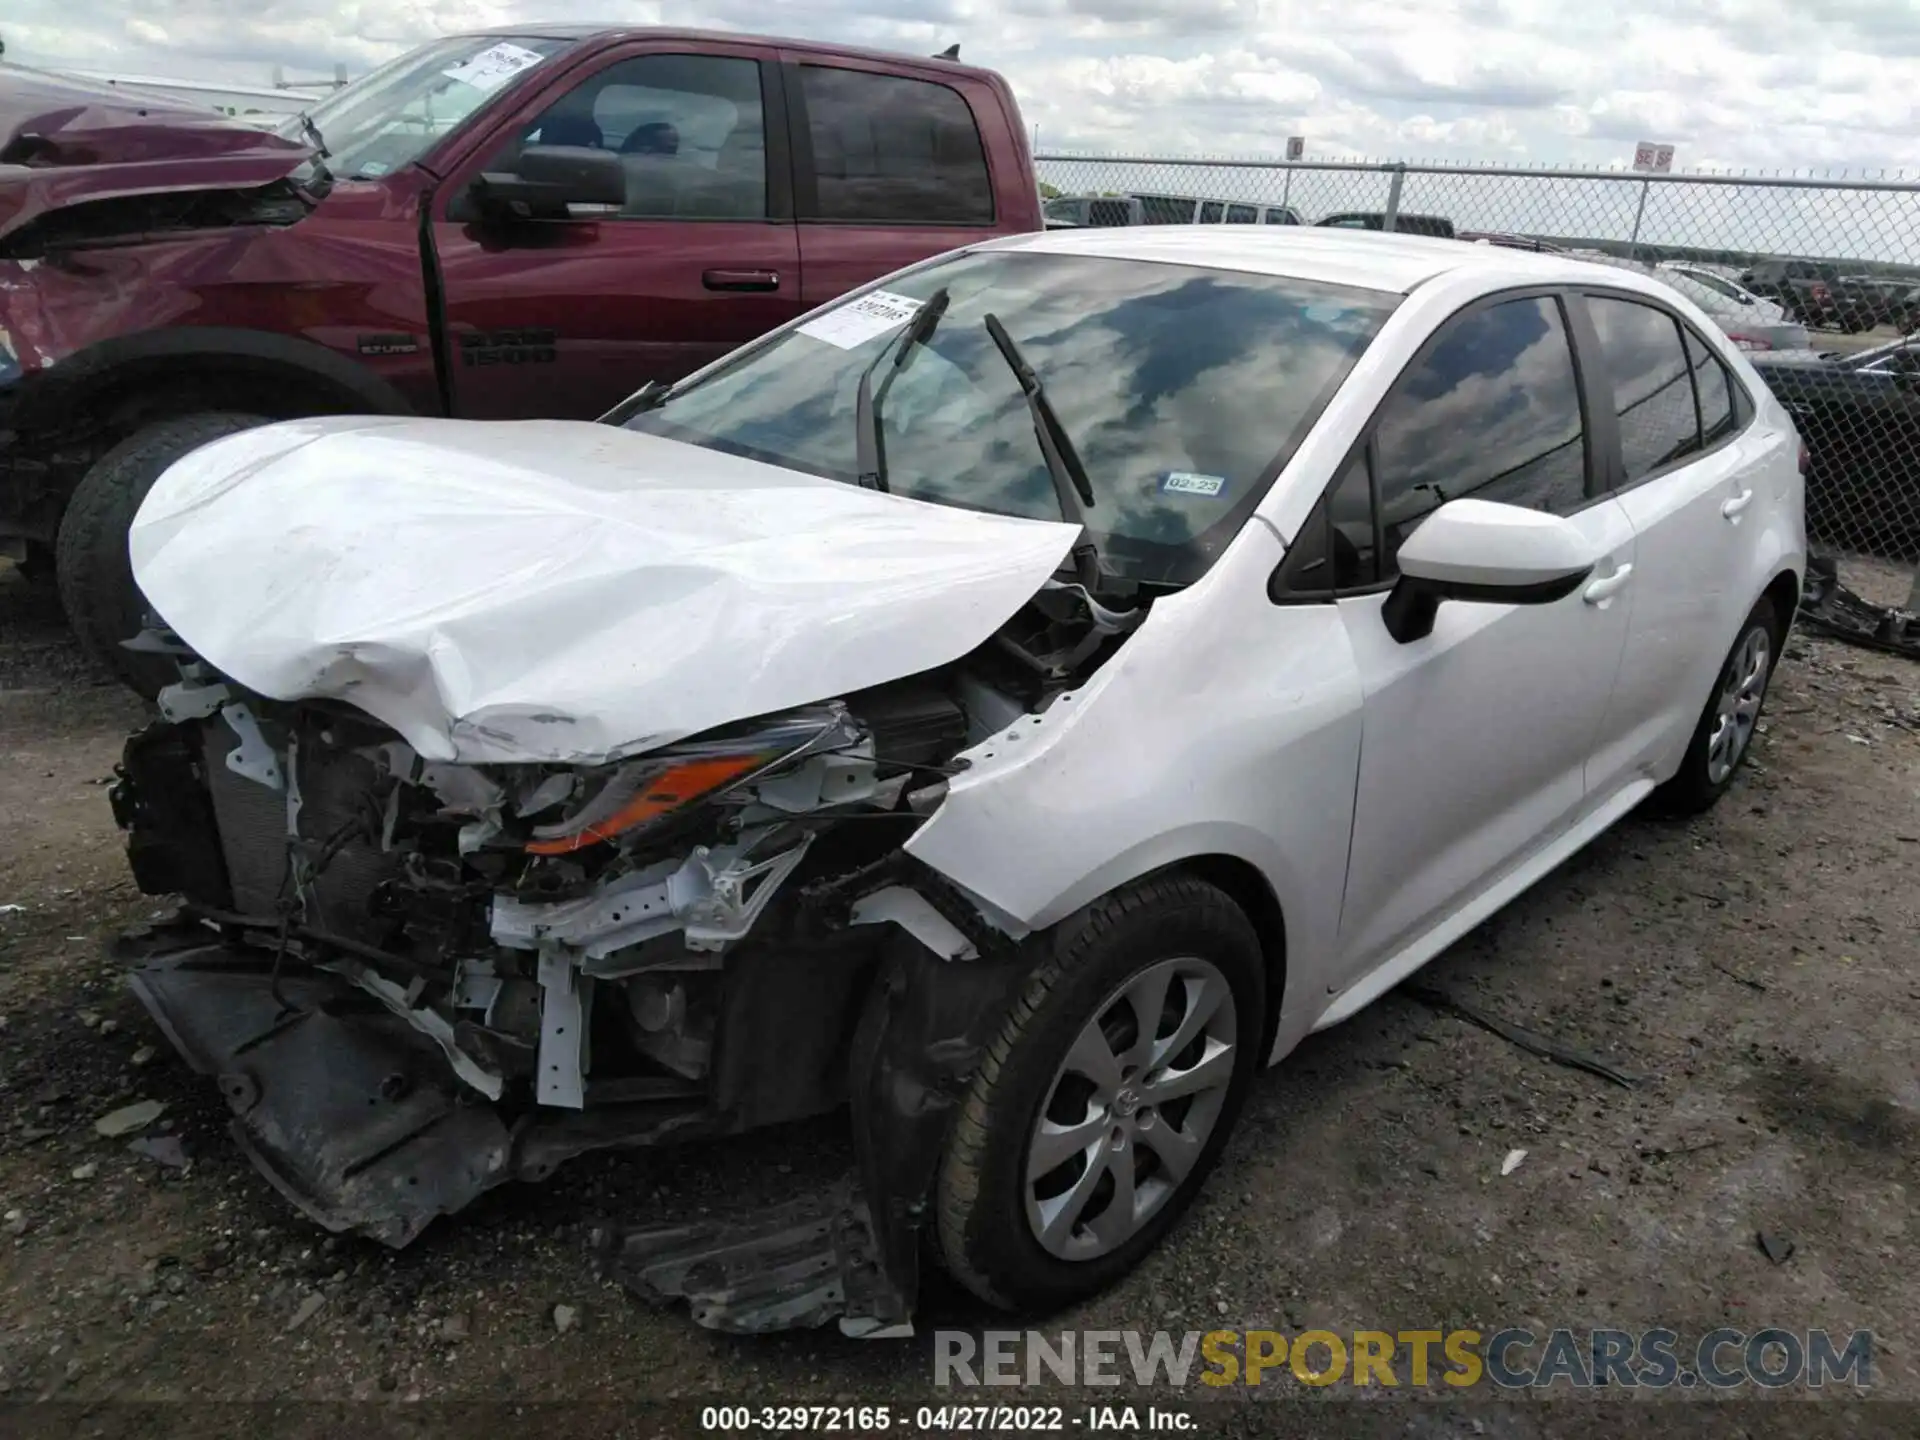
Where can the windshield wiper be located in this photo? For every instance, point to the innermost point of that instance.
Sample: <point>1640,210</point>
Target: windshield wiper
<point>648,397</point>
<point>322,174</point>
<point>870,453</point>
<point>1069,476</point>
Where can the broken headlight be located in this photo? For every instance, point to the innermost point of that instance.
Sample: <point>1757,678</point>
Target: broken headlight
<point>631,797</point>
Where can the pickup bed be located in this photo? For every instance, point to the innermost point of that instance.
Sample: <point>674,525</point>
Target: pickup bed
<point>528,223</point>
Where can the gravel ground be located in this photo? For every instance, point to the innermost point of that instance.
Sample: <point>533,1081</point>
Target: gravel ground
<point>1756,970</point>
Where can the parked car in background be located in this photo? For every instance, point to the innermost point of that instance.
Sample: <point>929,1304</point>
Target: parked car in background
<point>1754,324</point>
<point>1508,241</point>
<point>1436,225</point>
<point>1204,210</point>
<point>1889,301</point>
<point>1146,209</point>
<point>1812,292</point>
<point>1080,211</point>
<point>529,222</point>
<point>1046,687</point>
<point>1860,417</point>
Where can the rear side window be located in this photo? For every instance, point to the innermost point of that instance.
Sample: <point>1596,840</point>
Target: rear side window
<point>1243,215</point>
<point>889,149</point>
<point>1652,392</point>
<point>1210,212</point>
<point>1490,410</point>
<point>1109,212</point>
<point>1715,388</point>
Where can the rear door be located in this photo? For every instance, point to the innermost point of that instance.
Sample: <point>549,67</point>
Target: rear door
<point>888,169</point>
<point>564,318</point>
<point>1686,475</point>
<point>1476,737</point>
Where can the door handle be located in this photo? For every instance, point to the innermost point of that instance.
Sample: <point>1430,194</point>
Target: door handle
<point>741,279</point>
<point>1604,589</point>
<point>1731,510</point>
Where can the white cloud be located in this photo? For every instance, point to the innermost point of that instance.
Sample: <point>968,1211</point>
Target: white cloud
<point>1756,83</point>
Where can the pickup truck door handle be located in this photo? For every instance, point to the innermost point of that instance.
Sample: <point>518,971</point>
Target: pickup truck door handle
<point>741,279</point>
<point>1731,510</point>
<point>1604,589</point>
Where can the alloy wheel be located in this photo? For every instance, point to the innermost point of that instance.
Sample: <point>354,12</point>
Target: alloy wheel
<point>1130,1108</point>
<point>1743,688</point>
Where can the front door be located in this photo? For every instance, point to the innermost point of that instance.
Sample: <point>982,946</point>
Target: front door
<point>1476,737</point>
<point>565,318</point>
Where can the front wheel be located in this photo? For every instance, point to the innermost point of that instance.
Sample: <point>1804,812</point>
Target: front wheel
<point>1726,729</point>
<point>1107,1096</point>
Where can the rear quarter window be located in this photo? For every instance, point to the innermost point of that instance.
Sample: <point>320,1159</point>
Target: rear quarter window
<point>888,149</point>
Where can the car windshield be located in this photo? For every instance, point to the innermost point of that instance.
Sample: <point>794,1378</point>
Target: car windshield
<point>1184,390</point>
<point>389,117</point>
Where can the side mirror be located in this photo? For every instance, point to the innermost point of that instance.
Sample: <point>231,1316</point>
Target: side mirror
<point>1477,551</point>
<point>547,179</point>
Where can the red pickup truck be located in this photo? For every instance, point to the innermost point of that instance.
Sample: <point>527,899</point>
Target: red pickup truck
<point>526,223</point>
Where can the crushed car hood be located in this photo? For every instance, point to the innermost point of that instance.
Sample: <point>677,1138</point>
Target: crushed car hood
<point>63,141</point>
<point>560,590</point>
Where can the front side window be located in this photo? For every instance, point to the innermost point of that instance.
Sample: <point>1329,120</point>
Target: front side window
<point>389,118</point>
<point>688,129</point>
<point>1652,391</point>
<point>1184,390</point>
<point>890,149</point>
<point>1490,410</point>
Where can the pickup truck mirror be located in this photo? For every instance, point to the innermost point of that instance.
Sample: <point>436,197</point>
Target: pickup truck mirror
<point>547,179</point>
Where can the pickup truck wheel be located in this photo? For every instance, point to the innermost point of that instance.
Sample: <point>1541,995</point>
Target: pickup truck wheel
<point>91,566</point>
<point>1106,1098</point>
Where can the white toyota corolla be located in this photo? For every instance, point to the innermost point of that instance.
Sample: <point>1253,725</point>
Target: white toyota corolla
<point>1014,703</point>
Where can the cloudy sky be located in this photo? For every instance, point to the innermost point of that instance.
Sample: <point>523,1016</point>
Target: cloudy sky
<point>1732,83</point>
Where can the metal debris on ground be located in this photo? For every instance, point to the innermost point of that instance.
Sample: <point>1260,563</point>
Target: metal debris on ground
<point>128,1119</point>
<point>164,1150</point>
<point>1832,609</point>
<point>1541,1045</point>
<point>306,1310</point>
<point>1778,1248</point>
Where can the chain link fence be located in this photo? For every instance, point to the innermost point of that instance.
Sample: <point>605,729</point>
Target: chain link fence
<point>1817,278</point>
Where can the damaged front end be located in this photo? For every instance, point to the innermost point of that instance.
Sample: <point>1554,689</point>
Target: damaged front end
<point>416,979</point>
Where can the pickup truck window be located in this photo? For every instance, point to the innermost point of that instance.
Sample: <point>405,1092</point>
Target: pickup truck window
<point>1184,391</point>
<point>887,149</point>
<point>688,129</point>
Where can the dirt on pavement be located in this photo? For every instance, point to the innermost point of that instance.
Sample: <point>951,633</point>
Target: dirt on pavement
<point>1756,970</point>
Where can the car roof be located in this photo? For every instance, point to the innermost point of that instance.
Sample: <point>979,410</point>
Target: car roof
<point>613,30</point>
<point>1364,259</point>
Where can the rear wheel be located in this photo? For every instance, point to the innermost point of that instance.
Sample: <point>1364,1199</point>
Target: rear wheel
<point>103,605</point>
<point>1726,729</point>
<point>1107,1097</point>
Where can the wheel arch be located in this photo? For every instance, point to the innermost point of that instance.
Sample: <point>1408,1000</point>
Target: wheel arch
<point>1243,884</point>
<point>131,378</point>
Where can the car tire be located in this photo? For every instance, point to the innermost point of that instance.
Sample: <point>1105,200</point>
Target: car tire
<point>103,605</point>
<point>1100,971</point>
<point>1731,716</point>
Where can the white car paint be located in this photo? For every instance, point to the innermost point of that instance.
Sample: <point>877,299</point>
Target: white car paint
<point>1459,769</point>
<point>548,590</point>
<point>1390,795</point>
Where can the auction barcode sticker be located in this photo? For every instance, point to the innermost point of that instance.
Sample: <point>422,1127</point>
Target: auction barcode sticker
<point>858,321</point>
